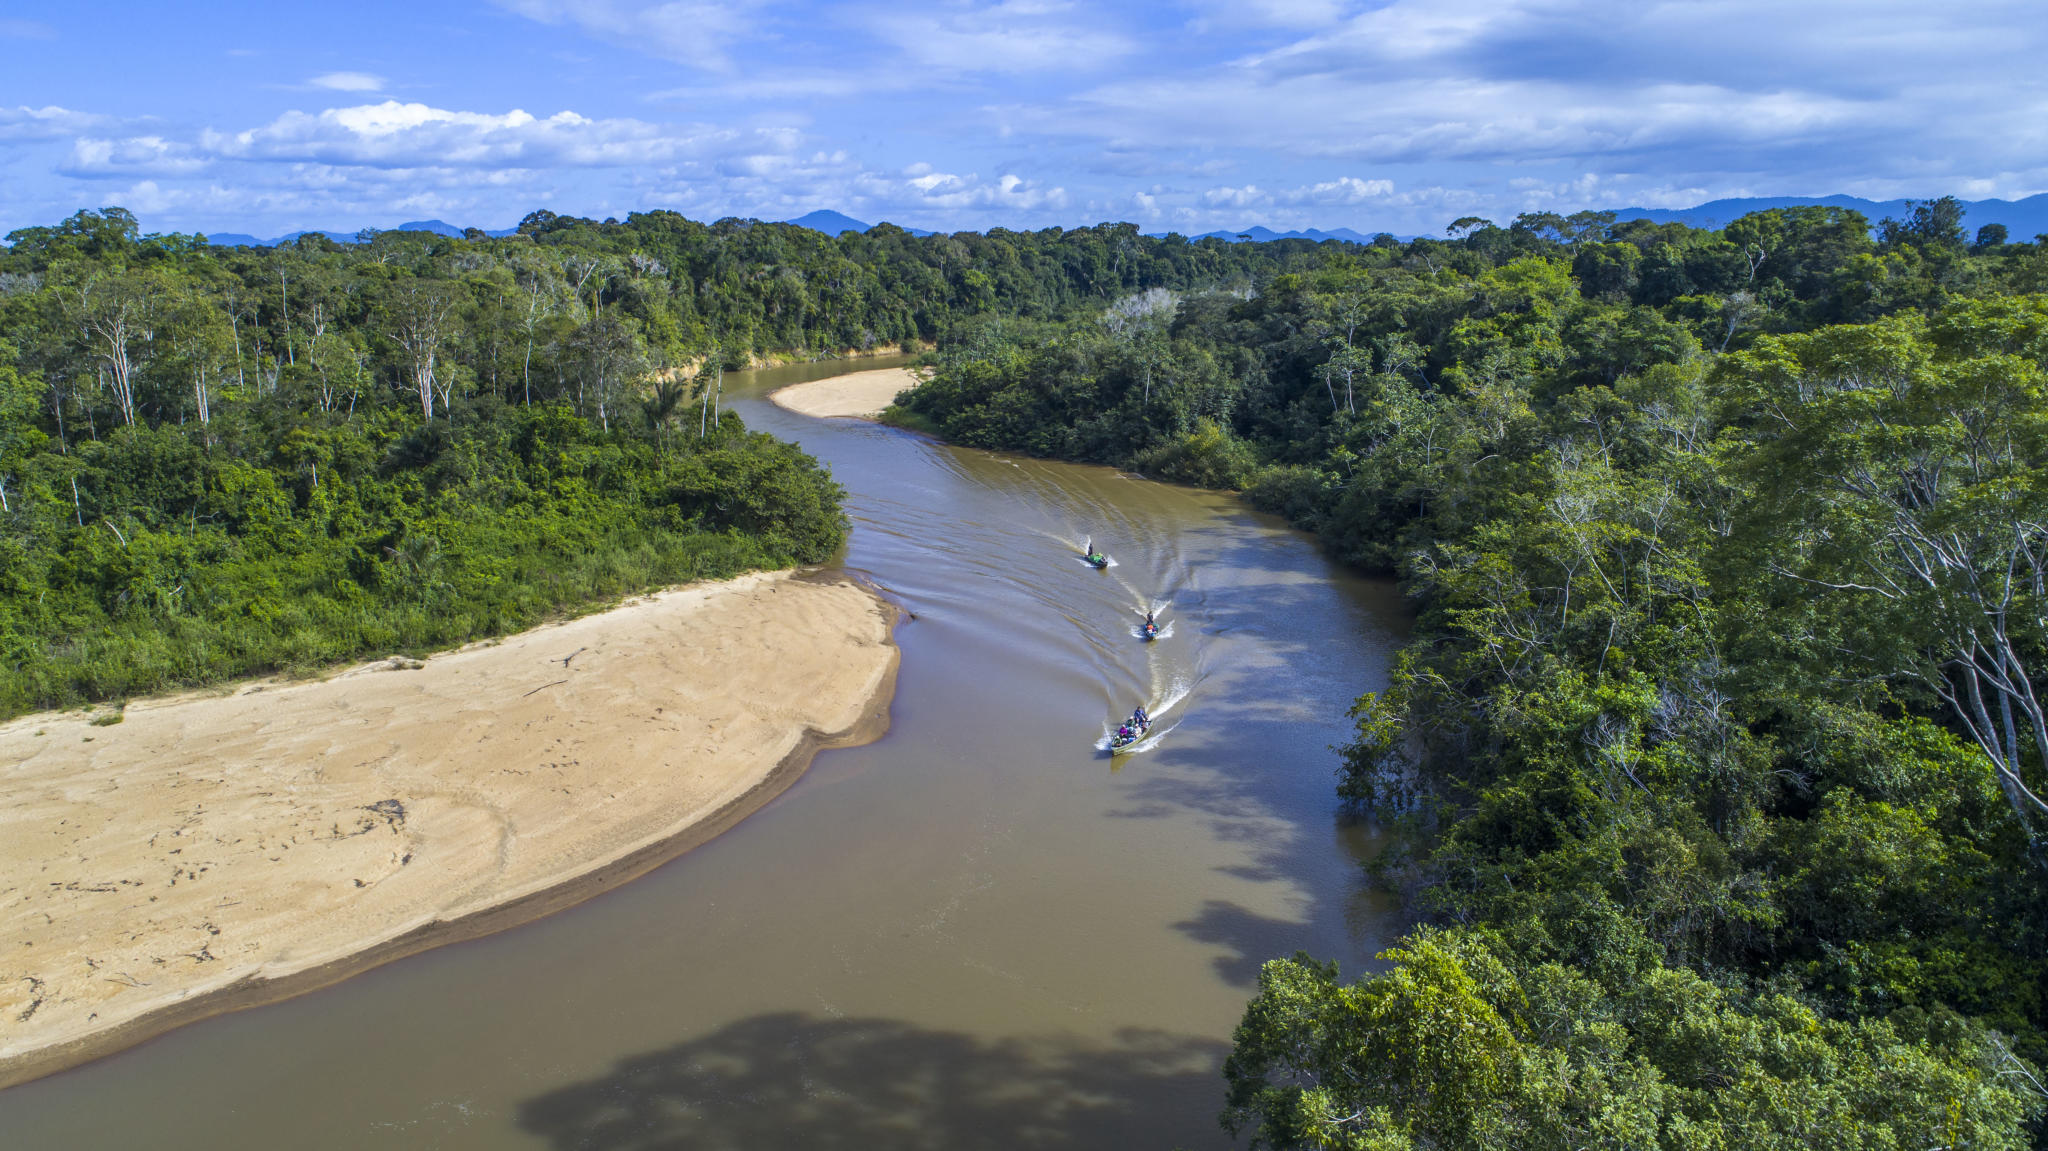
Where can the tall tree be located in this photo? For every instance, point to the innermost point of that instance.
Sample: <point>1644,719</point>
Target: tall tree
<point>422,315</point>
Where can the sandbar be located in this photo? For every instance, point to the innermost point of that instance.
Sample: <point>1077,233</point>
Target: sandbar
<point>862,395</point>
<point>214,851</point>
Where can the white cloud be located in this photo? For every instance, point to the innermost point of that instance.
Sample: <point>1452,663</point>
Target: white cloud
<point>1374,114</point>
<point>133,155</point>
<point>946,191</point>
<point>46,123</point>
<point>348,82</point>
<point>1689,94</point>
<point>1344,191</point>
<point>1243,197</point>
<point>394,134</point>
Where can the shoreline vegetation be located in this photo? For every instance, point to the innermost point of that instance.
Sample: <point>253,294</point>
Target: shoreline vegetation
<point>856,395</point>
<point>223,463</point>
<point>1712,767</point>
<point>214,852</point>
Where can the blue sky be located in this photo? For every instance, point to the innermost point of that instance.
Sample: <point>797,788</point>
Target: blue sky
<point>1196,114</point>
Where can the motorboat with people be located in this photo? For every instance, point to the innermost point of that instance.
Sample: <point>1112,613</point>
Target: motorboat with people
<point>1095,557</point>
<point>1130,731</point>
<point>1151,629</point>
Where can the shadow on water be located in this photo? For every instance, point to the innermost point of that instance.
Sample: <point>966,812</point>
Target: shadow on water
<point>793,1080</point>
<point>1243,932</point>
<point>1265,779</point>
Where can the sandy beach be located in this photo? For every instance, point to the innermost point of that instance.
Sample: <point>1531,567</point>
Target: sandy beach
<point>211,852</point>
<point>858,394</point>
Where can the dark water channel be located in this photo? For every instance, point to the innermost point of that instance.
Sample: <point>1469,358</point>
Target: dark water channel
<point>977,932</point>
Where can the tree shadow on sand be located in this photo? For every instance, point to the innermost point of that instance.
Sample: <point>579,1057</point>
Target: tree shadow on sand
<point>791,1080</point>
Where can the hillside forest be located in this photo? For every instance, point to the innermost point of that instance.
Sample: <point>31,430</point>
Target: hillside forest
<point>1716,763</point>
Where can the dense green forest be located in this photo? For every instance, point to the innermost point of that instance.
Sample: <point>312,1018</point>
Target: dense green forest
<point>222,461</point>
<point>1715,763</point>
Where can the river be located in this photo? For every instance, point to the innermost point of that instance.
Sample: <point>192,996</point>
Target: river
<point>977,932</point>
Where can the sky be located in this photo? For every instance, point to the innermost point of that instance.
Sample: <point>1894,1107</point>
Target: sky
<point>1188,115</point>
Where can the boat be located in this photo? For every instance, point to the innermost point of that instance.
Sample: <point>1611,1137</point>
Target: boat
<point>1097,558</point>
<point>1151,631</point>
<point>1120,743</point>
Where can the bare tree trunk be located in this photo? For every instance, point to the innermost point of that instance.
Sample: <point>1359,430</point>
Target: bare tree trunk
<point>284,316</point>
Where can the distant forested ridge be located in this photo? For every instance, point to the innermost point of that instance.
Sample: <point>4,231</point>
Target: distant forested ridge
<point>222,461</point>
<point>1715,765</point>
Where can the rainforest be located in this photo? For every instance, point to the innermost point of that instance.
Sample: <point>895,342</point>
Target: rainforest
<point>1711,771</point>
<point>1718,751</point>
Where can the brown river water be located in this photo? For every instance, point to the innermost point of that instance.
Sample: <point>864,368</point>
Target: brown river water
<point>978,932</point>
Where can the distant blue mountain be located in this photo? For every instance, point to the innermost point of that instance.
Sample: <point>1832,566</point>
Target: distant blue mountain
<point>1259,234</point>
<point>829,222</point>
<point>2025,219</point>
<point>235,240</point>
<point>839,223</point>
<point>437,227</point>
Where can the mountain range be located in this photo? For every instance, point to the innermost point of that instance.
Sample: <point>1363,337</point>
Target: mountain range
<point>244,240</point>
<point>2023,219</point>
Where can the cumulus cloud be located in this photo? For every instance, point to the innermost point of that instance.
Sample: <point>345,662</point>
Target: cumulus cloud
<point>946,191</point>
<point>394,134</point>
<point>348,82</point>
<point>132,155</point>
<point>1375,114</point>
<point>1735,89</point>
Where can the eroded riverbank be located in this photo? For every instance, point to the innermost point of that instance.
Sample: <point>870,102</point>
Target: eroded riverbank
<point>212,852</point>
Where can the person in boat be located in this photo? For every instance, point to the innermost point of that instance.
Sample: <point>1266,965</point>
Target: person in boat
<point>1148,620</point>
<point>1123,732</point>
<point>1139,718</point>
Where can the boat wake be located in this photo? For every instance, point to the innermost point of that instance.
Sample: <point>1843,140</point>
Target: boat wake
<point>1164,699</point>
<point>1145,743</point>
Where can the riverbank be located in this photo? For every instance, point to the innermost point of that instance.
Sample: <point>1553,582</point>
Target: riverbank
<point>212,852</point>
<point>862,395</point>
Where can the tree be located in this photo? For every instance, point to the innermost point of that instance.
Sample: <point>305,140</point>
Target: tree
<point>543,293</point>
<point>1934,223</point>
<point>609,358</point>
<point>201,345</point>
<point>1912,466</point>
<point>422,318</point>
<point>116,315</point>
